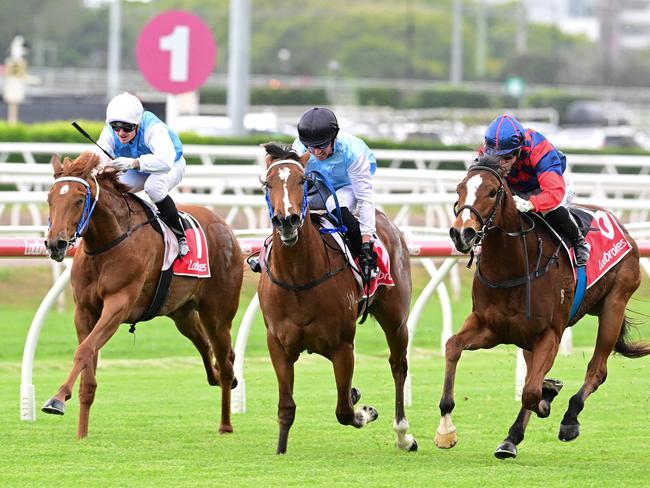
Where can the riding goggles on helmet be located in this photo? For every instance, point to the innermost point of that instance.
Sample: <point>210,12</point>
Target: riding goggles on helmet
<point>125,126</point>
<point>319,146</point>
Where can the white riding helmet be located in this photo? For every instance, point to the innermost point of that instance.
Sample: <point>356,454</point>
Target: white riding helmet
<point>124,108</point>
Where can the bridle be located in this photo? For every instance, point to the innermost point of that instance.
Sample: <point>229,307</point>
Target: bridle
<point>486,225</point>
<point>303,207</point>
<point>88,208</point>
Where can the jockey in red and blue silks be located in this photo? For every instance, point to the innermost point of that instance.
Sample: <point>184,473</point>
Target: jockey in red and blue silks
<point>536,176</point>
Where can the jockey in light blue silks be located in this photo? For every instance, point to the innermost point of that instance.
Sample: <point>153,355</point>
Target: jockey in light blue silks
<point>149,153</point>
<point>348,164</point>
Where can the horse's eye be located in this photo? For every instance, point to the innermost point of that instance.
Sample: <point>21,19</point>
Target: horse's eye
<point>79,202</point>
<point>492,194</point>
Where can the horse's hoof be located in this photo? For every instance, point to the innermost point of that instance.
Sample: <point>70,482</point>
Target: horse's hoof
<point>414,446</point>
<point>355,394</point>
<point>54,407</point>
<point>568,432</point>
<point>371,413</point>
<point>506,450</point>
<point>445,441</point>
<point>225,429</point>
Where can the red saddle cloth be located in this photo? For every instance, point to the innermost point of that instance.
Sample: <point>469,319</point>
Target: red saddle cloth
<point>196,262</point>
<point>607,240</point>
<point>382,277</point>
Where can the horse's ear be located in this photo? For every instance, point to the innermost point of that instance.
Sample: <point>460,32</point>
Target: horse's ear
<point>57,165</point>
<point>304,158</point>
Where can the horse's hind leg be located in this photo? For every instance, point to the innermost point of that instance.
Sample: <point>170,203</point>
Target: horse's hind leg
<point>343,363</point>
<point>396,332</point>
<point>216,318</point>
<point>187,322</point>
<point>610,322</point>
<point>284,371</point>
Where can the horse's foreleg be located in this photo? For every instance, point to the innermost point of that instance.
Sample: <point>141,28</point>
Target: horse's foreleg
<point>109,321</point>
<point>471,336</point>
<point>87,390</point>
<point>539,363</point>
<point>343,363</point>
<point>284,370</point>
<point>610,322</point>
<point>550,389</point>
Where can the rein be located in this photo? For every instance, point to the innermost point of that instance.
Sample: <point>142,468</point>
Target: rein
<point>88,211</point>
<point>486,226</point>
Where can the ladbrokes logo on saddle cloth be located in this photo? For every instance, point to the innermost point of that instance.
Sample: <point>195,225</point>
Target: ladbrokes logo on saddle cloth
<point>608,243</point>
<point>196,263</point>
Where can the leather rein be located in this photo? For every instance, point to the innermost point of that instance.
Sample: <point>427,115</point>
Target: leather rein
<point>486,226</point>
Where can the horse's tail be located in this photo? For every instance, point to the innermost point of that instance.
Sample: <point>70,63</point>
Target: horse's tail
<point>628,348</point>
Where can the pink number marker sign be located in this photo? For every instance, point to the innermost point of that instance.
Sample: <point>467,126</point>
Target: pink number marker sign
<point>176,52</point>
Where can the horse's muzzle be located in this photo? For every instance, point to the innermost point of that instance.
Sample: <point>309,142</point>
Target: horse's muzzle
<point>57,249</point>
<point>287,227</point>
<point>463,239</point>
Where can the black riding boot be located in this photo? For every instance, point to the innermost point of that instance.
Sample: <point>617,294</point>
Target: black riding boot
<point>169,215</point>
<point>562,220</point>
<point>353,233</point>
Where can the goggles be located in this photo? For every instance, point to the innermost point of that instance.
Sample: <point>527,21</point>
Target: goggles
<point>125,126</point>
<point>319,146</point>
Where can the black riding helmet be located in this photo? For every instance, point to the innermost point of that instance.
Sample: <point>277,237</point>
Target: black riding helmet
<point>317,126</point>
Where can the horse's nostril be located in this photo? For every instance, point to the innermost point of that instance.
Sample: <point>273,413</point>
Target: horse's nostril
<point>294,220</point>
<point>61,245</point>
<point>468,234</point>
<point>275,221</point>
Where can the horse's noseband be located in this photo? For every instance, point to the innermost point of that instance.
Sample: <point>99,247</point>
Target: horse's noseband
<point>486,224</point>
<point>308,182</point>
<point>87,210</point>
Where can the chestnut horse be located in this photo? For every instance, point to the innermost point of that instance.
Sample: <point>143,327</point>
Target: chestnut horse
<point>309,299</point>
<point>519,261</point>
<point>115,273</point>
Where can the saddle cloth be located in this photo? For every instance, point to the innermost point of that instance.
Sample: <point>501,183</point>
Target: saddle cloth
<point>195,263</point>
<point>606,238</point>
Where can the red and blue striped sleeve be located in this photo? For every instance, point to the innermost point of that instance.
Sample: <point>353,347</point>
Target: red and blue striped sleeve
<point>549,167</point>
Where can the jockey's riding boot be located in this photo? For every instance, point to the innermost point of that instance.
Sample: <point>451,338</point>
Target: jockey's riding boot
<point>169,215</point>
<point>353,233</point>
<point>562,220</point>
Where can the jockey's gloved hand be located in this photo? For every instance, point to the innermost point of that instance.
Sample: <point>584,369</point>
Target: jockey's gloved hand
<point>522,204</point>
<point>122,164</point>
<point>367,259</point>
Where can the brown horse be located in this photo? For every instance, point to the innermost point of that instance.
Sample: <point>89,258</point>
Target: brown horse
<point>115,273</point>
<point>309,298</point>
<point>517,262</point>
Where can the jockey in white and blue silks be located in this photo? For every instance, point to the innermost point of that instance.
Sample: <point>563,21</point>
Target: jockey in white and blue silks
<point>348,164</point>
<point>149,153</point>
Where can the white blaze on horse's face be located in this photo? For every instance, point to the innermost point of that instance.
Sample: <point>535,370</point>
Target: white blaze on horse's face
<point>64,189</point>
<point>472,186</point>
<point>284,174</point>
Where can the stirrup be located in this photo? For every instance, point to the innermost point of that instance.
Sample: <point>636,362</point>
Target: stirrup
<point>254,264</point>
<point>183,247</point>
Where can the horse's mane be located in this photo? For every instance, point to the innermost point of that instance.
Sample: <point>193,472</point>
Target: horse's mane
<point>86,165</point>
<point>279,151</point>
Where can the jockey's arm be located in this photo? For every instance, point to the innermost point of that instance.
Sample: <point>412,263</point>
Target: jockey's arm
<point>163,153</point>
<point>361,179</point>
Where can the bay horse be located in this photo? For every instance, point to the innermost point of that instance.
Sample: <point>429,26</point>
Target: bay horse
<point>518,263</point>
<point>115,273</point>
<point>309,299</point>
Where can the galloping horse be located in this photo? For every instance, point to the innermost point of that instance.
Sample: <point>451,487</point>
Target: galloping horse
<point>517,262</point>
<point>115,273</point>
<point>309,299</point>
